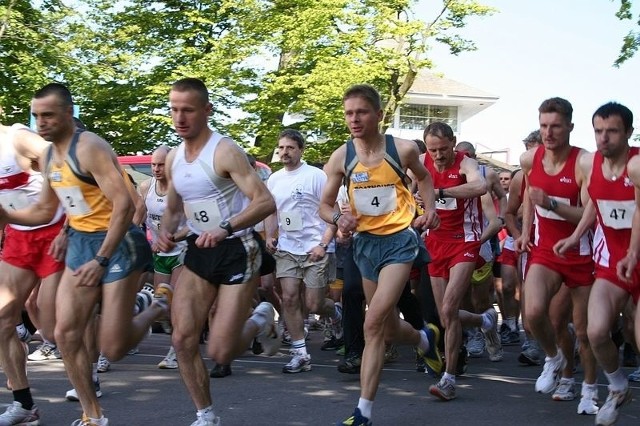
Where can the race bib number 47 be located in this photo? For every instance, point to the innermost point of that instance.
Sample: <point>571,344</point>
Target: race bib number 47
<point>617,214</point>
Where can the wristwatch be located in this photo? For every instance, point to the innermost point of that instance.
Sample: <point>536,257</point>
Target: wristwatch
<point>323,245</point>
<point>102,261</point>
<point>226,226</point>
<point>553,204</point>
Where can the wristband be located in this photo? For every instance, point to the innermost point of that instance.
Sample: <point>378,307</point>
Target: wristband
<point>440,194</point>
<point>336,217</point>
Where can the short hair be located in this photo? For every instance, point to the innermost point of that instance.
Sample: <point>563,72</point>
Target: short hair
<point>558,105</point>
<point>365,91</point>
<point>192,84</point>
<point>59,90</point>
<point>614,108</point>
<point>421,145</point>
<point>466,147</point>
<point>294,135</point>
<point>533,137</point>
<point>439,129</point>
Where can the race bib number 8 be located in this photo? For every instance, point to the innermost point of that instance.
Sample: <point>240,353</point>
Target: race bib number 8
<point>73,201</point>
<point>617,214</point>
<point>203,215</point>
<point>291,221</point>
<point>375,201</point>
<point>14,200</point>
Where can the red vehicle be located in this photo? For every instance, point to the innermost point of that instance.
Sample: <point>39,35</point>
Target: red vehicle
<point>139,167</point>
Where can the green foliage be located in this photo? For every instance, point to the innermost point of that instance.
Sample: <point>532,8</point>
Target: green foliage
<point>264,61</point>
<point>631,41</point>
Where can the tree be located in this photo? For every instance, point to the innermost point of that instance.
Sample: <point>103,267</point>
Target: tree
<point>33,51</point>
<point>630,42</point>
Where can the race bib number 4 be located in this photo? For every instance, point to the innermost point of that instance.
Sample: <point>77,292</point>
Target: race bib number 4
<point>376,201</point>
<point>14,200</point>
<point>617,214</point>
<point>204,215</point>
<point>73,201</point>
<point>291,221</point>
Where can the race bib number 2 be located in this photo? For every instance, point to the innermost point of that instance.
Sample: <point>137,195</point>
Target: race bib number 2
<point>73,201</point>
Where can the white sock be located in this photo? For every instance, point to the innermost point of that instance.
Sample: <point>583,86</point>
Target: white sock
<point>206,413</point>
<point>487,323</point>
<point>589,386</point>
<point>511,323</point>
<point>102,421</point>
<point>617,380</point>
<point>300,346</point>
<point>94,372</point>
<point>366,407</point>
<point>259,320</point>
<point>449,377</point>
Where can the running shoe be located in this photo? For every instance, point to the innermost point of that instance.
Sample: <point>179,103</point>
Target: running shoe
<point>84,421</point>
<point>511,338</point>
<point>332,344</point>
<point>476,344</point>
<point>351,364</point>
<point>206,420</point>
<point>268,336</point>
<point>163,296</point>
<point>588,400</point>
<point>390,353</point>
<point>356,419</point>
<point>45,352</point>
<point>444,389</point>
<point>170,361</point>
<point>532,354</point>
<point>566,390</point>
<point>493,345</point>
<point>298,363</point>
<point>635,376</point>
<point>16,415</point>
<point>72,395</point>
<point>608,413</point>
<point>432,358</point>
<point>103,364</point>
<point>550,376</point>
<point>220,370</point>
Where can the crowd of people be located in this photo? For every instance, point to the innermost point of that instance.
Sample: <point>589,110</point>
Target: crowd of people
<point>387,226</point>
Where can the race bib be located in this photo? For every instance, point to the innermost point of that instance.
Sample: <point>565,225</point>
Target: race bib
<point>447,204</point>
<point>375,201</point>
<point>291,221</point>
<point>204,215</point>
<point>73,201</point>
<point>14,200</point>
<point>617,214</point>
<point>548,214</point>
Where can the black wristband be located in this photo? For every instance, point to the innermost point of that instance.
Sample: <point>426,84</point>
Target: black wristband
<point>440,194</point>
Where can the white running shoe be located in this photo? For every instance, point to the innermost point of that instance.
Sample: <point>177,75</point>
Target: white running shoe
<point>608,413</point>
<point>72,395</point>
<point>206,420</point>
<point>103,364</point>
<point>268,336</point>
<point>45,352</point>
<point>566,390</point>
<point>170,362</point>
<point>589,400</point>
<point>550,375</point>
<point>16,415</point>
<point>298,363</point>
<point>476,344</point>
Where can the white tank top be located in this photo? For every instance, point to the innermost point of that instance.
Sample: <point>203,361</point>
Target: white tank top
<point>156,204</point>
<point>208,198</point>
<point>19,188</point>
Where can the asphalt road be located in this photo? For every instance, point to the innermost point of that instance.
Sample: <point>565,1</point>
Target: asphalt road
<point>137,393</point>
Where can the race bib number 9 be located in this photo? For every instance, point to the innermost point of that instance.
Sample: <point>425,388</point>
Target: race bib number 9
<point>617,214</point>
<point>291,221</point>
<point>447,204</point>
<point>204,215</point>
<point>14,200</point>
<point>73,201</point>
<point>376,201</point>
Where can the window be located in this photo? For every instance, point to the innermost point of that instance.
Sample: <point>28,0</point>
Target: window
<point>417,117</point>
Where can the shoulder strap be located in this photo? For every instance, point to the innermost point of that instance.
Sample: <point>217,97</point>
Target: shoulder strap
<point>72,161</point>
<point>393,158</point>
<point>350,161</point>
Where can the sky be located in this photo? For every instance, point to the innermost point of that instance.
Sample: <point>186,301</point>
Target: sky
<point>532,50</point>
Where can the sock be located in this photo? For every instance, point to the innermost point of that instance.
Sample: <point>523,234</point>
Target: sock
<point>23,396</point>
<point>511,323</point>
<point>48,343</point>
<point>365,407</point>
<point>299,346</point>
<point>102,421</point>
<point>424,341</point>
<point>259,320</point>
<point>23,333</point>
<point>206,413</point>
<point>449,377</point>
<point>587,386</point>
<point>337,316</point>
<point>487,323</point>
<point>94,372</point>
<point>617,380</point>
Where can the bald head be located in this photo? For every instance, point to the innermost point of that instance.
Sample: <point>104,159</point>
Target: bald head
<point>158,158</point>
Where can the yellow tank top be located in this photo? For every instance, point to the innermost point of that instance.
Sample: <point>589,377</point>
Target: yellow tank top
<point>379,199</point>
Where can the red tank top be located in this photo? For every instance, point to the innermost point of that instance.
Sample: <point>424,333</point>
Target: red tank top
<point>460,218</point>
<point>614,201</point>
<point>562,187</point>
